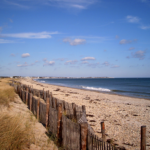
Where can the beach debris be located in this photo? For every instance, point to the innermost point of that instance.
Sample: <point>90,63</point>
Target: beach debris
<point>129,144</point>
<point>92,121</point>
<point>128,104</point>
<point>73,92</point>
<point>66,94</point>
<point>87,98</point>
<point>58,89</point>
<point>90,101</point>
<point>88,115</point>
<point>135,115</point>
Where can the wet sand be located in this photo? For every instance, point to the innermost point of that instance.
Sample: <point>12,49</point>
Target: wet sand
<point>123,116</point>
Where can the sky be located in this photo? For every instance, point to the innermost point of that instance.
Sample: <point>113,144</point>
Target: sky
<point>75,38</point>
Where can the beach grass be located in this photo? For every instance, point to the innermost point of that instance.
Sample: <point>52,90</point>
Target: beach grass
<point>15,133</point>
<point>7,93</point>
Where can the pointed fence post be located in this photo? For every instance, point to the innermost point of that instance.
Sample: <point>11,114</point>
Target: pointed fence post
<point>84,133</point>
<point>103,131</point>
<point>143,137</point>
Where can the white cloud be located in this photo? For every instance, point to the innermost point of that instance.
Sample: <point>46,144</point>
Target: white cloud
<point>106,63</point>
<point>85,62</point>
<point>30,35</point>
<point>127,41</point>
<point>74,42</point>
<point>25,55</point>
<point>139,54</point>
<point>115,66</point>
<point>51,62</point>
<point>45,59</point>
<point>76,4</point>
<point>16,3</point>
<point>133,19</point>
<point>48,62</point>
<point>145,27</point>
<point>88,58</point>
<point>131,48</point>
<point>25,65</point>
<point>71,62</point>
<point>6,41</point>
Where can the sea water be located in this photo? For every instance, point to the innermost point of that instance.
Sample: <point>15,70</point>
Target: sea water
<point>134,87</point>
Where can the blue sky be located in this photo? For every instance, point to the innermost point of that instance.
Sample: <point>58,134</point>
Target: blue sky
<point>77,38</point>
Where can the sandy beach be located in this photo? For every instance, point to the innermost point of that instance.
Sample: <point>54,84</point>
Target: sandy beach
<point>123,116</point>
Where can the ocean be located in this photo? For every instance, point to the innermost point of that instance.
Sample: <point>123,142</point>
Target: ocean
<point>133,87</point>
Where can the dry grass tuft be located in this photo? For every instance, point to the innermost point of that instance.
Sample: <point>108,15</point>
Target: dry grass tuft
<point>15,133</point>
<point>7,93</point>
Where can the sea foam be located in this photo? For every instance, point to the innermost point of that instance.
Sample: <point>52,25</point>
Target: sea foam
<point>96,89</point>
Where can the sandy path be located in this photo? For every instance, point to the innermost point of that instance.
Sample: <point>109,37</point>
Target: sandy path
<point>123,116</point>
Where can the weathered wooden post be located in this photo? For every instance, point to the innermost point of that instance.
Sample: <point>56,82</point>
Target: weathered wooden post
<point>103,131</point>
<point>43,93</point>
<point>38,107</point>
<point>143,137</point>
<point>84,133</point>
<point>83,109</point>
<point>20,92</point>
<point>55,103</point>
<point>17,88</point>
<point>30,101</point>
<point>27,96</point>
<point>33,92</point>
<point>59,124</point>
<point>47,109</point>
<point>74,111</point>
<point>24,96</point>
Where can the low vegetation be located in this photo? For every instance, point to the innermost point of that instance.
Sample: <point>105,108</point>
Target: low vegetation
<point>15,134</point>
<point>7,93</point>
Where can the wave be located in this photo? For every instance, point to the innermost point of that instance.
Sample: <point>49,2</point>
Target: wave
<point>42,81</point>
<point>96,89</point>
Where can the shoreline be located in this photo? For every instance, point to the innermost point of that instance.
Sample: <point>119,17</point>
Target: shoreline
<point>111,93</point>
<point>123,116</point>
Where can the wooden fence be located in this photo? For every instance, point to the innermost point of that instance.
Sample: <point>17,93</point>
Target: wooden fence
<point>67,122</point>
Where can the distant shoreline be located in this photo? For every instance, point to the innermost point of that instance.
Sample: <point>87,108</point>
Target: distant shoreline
<point>91,90</point>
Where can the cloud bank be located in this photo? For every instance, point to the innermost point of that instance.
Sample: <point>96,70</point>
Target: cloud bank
<point>30,35</point>
<point>124,41</point>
